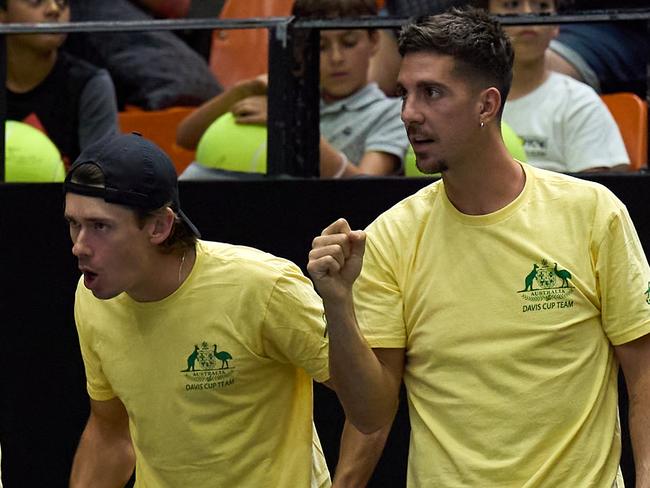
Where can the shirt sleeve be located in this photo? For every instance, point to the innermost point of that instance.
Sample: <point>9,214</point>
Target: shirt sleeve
<point>294,326</point>
<point>97,109</point>
<point>96,383</point>
<point>624,280</point>
<point>592,137</point>
<point>378,300</point>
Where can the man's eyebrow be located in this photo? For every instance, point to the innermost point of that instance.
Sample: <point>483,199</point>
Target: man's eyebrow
<point>399,88</point>
<point>430,84</point>
<point>88,219</point>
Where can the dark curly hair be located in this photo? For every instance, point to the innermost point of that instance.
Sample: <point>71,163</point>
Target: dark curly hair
<point>476,41</point>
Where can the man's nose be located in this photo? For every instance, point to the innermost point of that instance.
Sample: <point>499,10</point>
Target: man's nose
<point>411,114</point>
<point>79,245</point>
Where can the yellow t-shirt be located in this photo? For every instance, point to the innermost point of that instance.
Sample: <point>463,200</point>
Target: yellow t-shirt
<point>217,377</point>
<point>508,321</point>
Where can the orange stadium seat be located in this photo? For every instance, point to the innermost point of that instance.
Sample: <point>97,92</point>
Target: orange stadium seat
<point>160,127</point>
<point>631,115</point>
<point>241,54</point>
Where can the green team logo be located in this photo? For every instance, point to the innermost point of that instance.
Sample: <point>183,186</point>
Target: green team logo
<point>647,294</point>
<point>208,368</point>
<point>547,286</point>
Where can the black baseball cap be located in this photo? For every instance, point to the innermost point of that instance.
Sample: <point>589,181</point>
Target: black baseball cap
<point>137,173</point>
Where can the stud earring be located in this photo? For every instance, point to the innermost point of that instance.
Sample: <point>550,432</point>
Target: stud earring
<point>482,124</point>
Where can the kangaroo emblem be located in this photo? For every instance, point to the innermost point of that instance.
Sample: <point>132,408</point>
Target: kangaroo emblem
<point>191,359</point>
<point>528,285</point>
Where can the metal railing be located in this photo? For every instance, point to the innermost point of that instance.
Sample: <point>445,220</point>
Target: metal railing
<point>293,117</point>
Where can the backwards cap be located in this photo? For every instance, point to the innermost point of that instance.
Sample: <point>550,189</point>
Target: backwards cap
<point>137,173</point>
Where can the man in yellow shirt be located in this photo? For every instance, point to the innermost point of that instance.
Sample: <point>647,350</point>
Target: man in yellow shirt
<point>504,296</point>
<point>199,355</point>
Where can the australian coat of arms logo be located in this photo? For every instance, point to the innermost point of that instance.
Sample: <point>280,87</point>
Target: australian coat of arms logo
<point>547,282</point>
<point>208,368</point>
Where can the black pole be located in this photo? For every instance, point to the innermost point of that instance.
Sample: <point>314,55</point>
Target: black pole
<point>3,104</point>
<point>293,121</point>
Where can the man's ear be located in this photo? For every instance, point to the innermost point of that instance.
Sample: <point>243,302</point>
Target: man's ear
<point>161,226</point>
<point>491,103</point>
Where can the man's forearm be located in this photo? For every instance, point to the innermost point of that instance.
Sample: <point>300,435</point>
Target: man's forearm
<point>358,456</point>
<point>634,358</point>
<point>639,421</point>
<point>367,390</point>
<point>102,461</point>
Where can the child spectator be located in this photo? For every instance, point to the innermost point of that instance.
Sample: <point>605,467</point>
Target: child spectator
<point>385,66</point>
<point>564,124</point>
<point>72,101</point>
<point>361,129</point>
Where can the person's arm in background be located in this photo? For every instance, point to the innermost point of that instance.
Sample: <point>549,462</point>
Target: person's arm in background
<point>105,456</point>
<point>358,456</point>
<point>384,65</point>
<point>334,164</point>
<point>359,453</point>
<point>634,358</point>
<point>385,145</point>
<point>191,128</point>
<point>97,109</point>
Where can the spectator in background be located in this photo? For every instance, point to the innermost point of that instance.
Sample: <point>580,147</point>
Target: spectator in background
<point>151,70</point>
<point>385,66</point>
<point>361,132</point>
<point>564,124</point>
<point>70,100</point>
<point>609,56</point>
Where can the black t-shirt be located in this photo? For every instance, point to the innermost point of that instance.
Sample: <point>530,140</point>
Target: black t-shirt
<point>74,105</point>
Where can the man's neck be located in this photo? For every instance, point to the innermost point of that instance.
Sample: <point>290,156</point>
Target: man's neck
<point>488,181</point>
<point>527,77</point>
<point>27,68</point>
<point>166,274</point>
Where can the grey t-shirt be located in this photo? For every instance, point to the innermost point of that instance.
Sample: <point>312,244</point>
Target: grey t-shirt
<point>97,109</point>
<point>366,121</point>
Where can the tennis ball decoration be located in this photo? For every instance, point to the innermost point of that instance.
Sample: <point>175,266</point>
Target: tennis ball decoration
<point>512,141</point>
<point>231,146</point>
<point>30,156</point>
